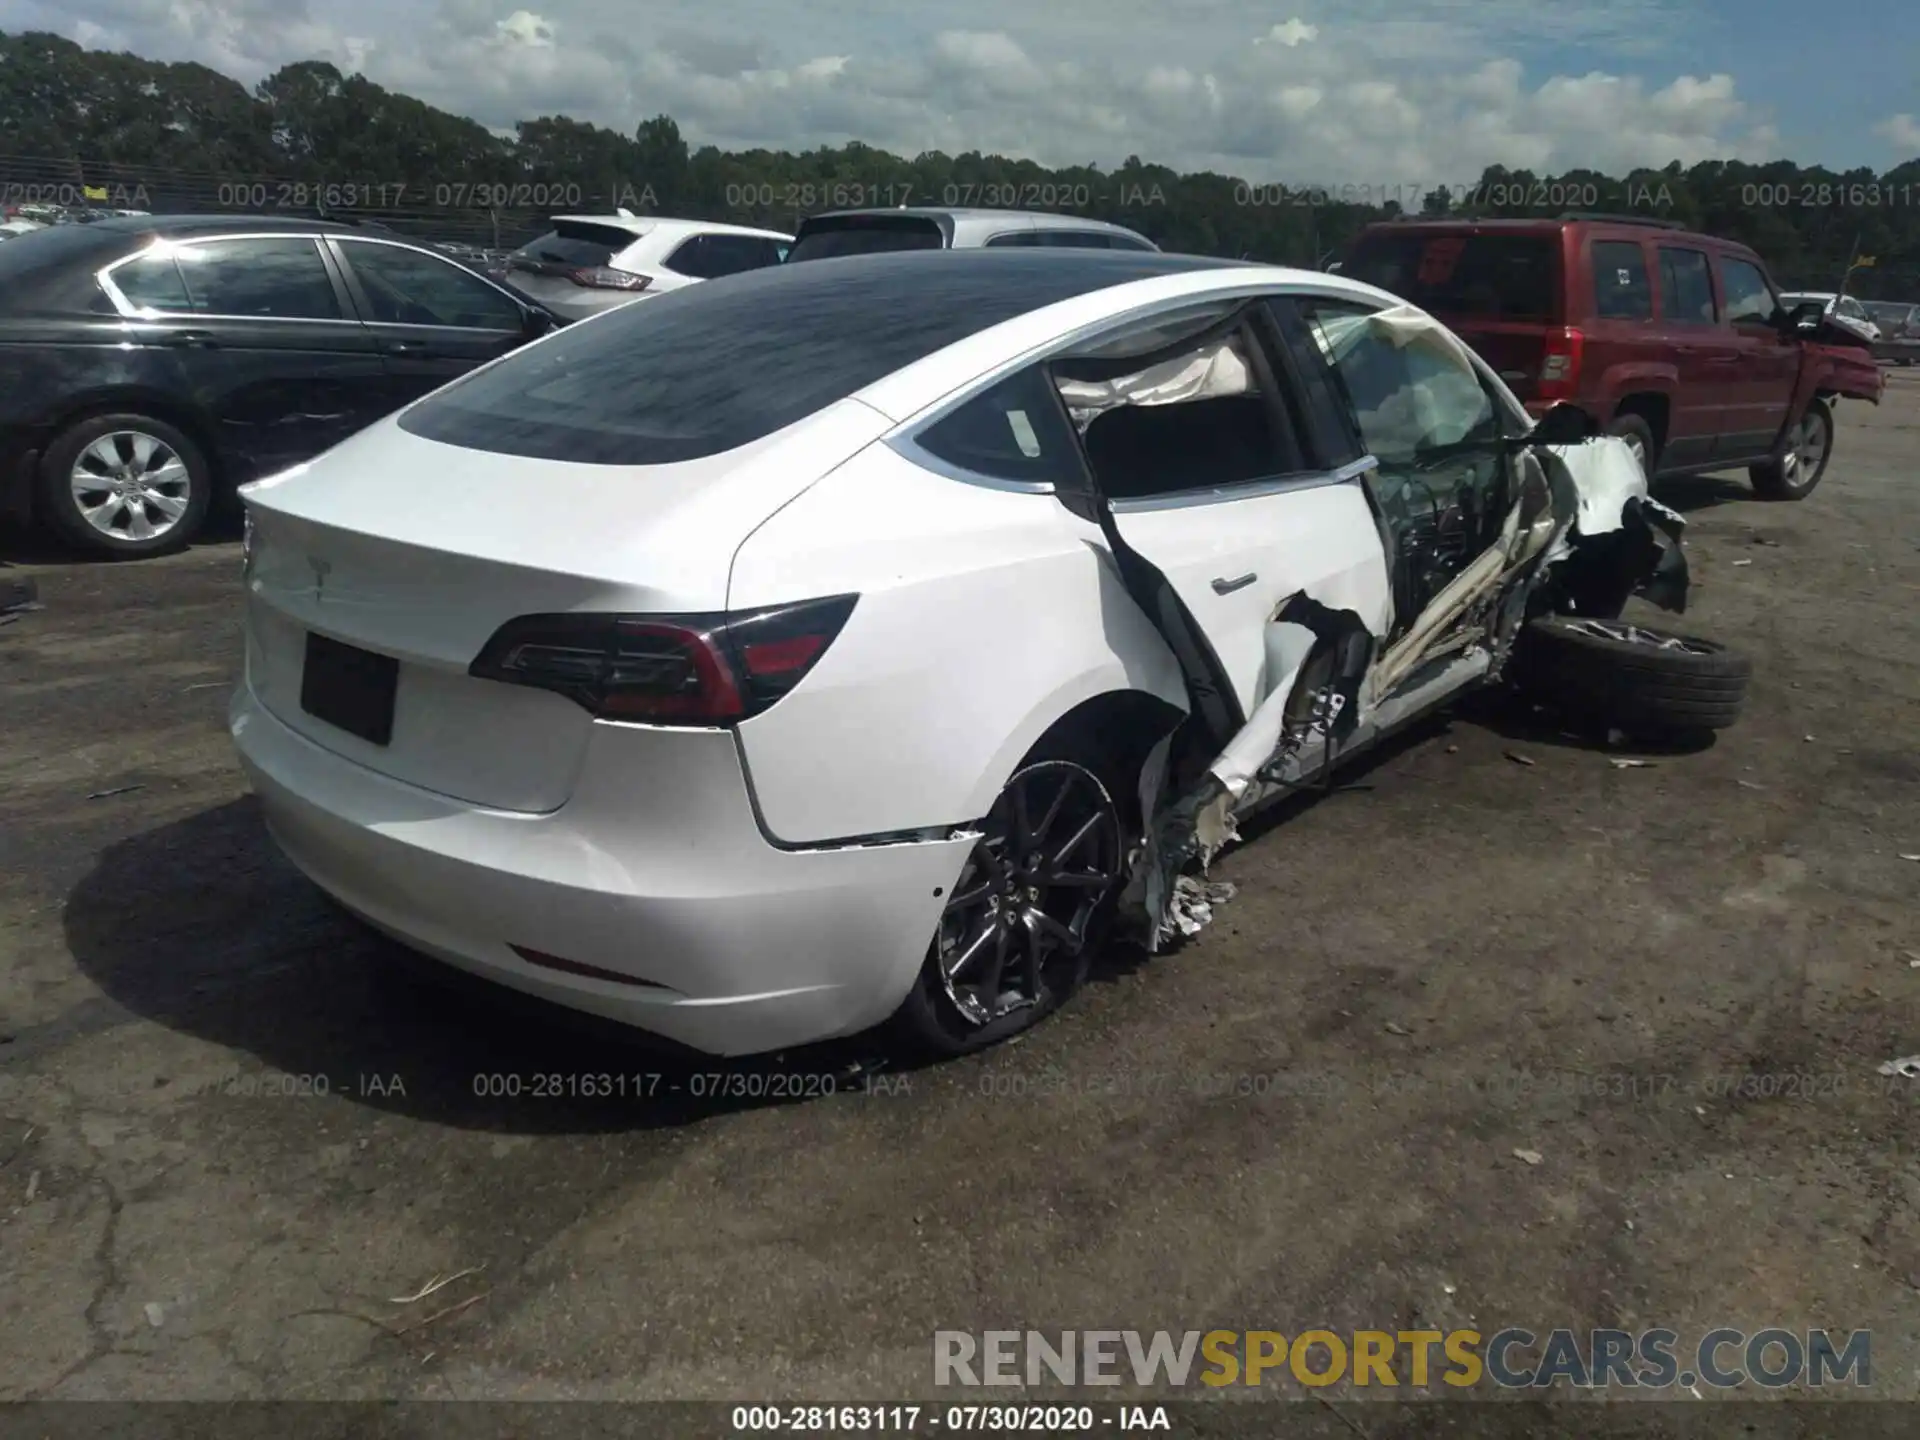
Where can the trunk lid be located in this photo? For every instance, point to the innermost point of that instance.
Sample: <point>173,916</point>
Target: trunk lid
<point>419,551</point>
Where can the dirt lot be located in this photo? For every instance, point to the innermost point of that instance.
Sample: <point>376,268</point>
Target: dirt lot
<point>1308,1116</point>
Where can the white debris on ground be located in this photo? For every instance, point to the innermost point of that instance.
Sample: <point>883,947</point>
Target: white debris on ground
<point>1191,908</point>
<point>1907,1067</point>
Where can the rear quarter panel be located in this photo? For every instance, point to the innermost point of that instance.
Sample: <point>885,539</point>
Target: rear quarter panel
<point>984,616</point>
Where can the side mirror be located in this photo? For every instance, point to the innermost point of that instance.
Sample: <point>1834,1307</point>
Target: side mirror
<point>1563,425</point>
<point>536,322</point>
<point>1806,317</point>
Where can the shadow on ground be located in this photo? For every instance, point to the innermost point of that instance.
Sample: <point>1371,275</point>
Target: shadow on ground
<point>201,926</point>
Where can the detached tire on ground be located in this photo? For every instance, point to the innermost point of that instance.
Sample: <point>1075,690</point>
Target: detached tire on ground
<point>1632,677</point>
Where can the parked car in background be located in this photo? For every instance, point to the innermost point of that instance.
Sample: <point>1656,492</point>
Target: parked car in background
<point>870,232</point>
<point>590,263</point>
<point>1677,342</point>
<point>1899,329</point>
<point>1112,547</point>
<point>11,228</point>
<point>1843,310</point>
<point>147,364</point>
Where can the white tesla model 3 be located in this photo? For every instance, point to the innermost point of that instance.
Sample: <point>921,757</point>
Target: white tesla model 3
<point>854,640</point>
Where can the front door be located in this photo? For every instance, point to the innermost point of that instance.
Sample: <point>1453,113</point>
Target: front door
<point>431,320</point>
<point>1760,388</point>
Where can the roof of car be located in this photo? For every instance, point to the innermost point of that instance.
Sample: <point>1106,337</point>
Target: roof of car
<point>667,227</point>
<point>217,224</point>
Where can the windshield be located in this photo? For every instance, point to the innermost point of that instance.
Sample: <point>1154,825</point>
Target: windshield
<point>836,235</point>
<point>1493,277</point>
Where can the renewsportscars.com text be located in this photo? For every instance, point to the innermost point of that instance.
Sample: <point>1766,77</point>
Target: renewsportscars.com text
<point>1511,1358</point>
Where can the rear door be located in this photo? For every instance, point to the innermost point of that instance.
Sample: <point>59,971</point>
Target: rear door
<point>1210,474</point>
<point>1760,389</point>
<point>264,340</point>
<point>1706,358</point>
<point>431,320</point>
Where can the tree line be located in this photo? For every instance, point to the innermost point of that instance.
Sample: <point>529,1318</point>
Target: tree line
<point>120,130</point>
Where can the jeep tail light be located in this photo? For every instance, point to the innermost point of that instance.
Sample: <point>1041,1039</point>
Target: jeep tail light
<point>667,669</point>
<point>1560,370</point>
<point>605,277</point>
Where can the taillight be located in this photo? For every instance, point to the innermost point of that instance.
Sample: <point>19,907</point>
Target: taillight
<point>1560,371</point>
<point>605,277</point>
<point>667,669</point>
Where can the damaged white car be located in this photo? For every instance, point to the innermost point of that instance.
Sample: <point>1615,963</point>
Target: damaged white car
<point>857,641</point>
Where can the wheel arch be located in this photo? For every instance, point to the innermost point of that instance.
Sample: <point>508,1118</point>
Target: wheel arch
<point>189,420</point>
<point>1108,714</point>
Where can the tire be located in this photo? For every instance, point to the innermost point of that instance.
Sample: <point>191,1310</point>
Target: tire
<point>155,485</point>
<point>970,993</point>
<point>1792,474</point>
<point>1637,433</point>
<point>1614,674</point>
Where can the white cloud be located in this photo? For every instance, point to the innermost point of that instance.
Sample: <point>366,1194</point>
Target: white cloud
<point>1366,92</point>
<point>1295,32</point>
<point>1901,131</point>
<point>523,27</point>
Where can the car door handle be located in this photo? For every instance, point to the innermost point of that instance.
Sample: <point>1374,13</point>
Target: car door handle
<point>405,347</point>
<point>191,339</point>
<point>1224,586</point>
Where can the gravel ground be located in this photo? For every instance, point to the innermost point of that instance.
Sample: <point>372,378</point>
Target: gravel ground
<point>1306,1117</point>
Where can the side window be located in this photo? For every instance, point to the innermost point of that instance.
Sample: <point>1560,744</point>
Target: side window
<point>732,254</point>
<point>1015,237</point>
<point>1074,239</point>
<point>691,258</point>
<point>281,279</point>
<point>1686,287</point>
<point>1014,431</point>
<point>1621,290</point>
<point>411,287</point>
<point>1749,298</point>
<point>1126,242</point>
<point>1179,420</point>
<point>152,282</point>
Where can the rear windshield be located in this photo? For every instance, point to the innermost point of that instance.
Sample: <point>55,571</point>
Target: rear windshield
<point>865,235</point>
<point>573,244</point>
<point>1489,277</point>
<point>708,368</point>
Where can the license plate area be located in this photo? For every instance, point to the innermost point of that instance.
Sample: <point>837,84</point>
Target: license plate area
<point>349,688</point>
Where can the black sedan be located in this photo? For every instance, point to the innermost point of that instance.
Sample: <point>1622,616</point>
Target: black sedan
<point>148,363</point>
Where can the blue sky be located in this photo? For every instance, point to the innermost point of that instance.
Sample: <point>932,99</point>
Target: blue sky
<point>1385,94</point>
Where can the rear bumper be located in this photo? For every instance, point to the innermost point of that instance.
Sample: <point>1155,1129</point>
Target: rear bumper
<point>656,870</point>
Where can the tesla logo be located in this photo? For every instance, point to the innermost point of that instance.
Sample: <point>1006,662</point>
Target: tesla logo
<point>321,569</point>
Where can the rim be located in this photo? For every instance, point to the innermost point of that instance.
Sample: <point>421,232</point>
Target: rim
<point>1048,856</point>
<point>1808,450</point>
<point>1634,635</point>
<point>130,485</point>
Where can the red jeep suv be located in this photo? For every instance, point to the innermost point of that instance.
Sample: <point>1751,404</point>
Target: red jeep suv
<point>1674,341</point>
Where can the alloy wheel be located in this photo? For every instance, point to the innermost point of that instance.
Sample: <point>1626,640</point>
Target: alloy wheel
<point>129,485</point>
<point>1633,635</point>
<point>1047,859</point>
<point>1807,449</point>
